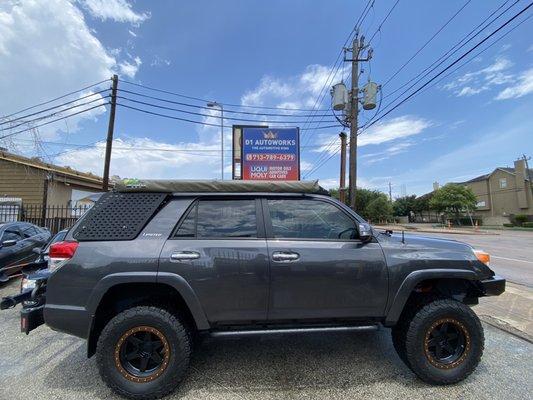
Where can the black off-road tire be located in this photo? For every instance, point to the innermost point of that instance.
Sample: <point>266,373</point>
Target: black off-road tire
<point>177,350</point>
<point>418,338</point>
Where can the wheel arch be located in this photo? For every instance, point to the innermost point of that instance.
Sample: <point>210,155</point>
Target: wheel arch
<point>121,291</point>
<point>415,279</point>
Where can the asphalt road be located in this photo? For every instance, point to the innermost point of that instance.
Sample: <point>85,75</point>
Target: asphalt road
<point>511,252</point>
<point>341,365</point>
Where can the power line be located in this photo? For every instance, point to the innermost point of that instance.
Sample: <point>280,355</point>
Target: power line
<point>454,49</point>
<point>447,68</point>
<point>384,20</point>
<point>225,110</point>
<point>426,43</point>
<point>190,120</point>
<point>56,113</point>
<point>477,54</point>
<point>24,122</point>
<point>317,167</point>
<point>50,122</point>
<point>206,101</point>
<point>335,68</point>
<point>210,115</point>
<point>55,99</point>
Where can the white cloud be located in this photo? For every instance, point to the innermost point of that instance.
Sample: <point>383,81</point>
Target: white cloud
<point>47,49</point>
<point>116,10</point>
<point>472,83</point>
<point>148,158</point>
<point>129,69</point>
<point>395,128</point>
<point>295,91</point>
<point>382,132</point>
<point>522,87</point>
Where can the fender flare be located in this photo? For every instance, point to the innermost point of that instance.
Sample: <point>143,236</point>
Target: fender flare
<point>175,281</point>
<point>414,278</point>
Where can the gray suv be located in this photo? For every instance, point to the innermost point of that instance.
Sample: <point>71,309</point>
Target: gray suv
<point>156,263</point>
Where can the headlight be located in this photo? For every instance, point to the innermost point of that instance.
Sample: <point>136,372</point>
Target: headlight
<point>483,256</point>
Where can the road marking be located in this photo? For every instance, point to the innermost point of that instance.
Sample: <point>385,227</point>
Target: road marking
<point>512,259</point>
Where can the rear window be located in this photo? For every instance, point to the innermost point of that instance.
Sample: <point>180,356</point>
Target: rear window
<point>219,219</point>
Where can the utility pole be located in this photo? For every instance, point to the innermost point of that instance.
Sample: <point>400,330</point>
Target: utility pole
<point>342,181</point>
<point>390,192</point>
<point>357,47</point>
<point>110,129</point>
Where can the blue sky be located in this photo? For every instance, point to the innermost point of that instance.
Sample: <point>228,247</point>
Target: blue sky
<point>274,53</point>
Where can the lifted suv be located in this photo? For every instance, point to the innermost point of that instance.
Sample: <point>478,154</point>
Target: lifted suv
<point>156,263</point>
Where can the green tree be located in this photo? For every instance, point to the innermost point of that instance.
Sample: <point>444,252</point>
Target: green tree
<point>379,209</point>
<point>453,199</point>
<point>403,206</point>
<point>363,198</point>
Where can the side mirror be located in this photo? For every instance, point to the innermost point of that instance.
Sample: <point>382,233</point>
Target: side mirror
<point>37,250</point>
<point>8,243</point>
<point>365,232</point>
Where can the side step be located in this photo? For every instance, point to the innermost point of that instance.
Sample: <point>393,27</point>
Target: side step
<point>295,330</point>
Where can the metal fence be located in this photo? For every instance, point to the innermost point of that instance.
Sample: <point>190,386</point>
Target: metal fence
<point>55,218</point>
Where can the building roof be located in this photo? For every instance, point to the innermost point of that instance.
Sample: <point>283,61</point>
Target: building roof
<point>486,176</point>
<point>217,186</point>
<point>63,171</point>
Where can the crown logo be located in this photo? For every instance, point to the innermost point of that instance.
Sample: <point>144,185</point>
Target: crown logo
<point>270,135</point>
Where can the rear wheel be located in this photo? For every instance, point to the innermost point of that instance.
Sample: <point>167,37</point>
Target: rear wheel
<point>444,342</point>
<point>143,353</point>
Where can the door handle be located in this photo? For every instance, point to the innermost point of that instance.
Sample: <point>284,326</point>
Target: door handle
<point>281,256</point>
<point>184,256</point>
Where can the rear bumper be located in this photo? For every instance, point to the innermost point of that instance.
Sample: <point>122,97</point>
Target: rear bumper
<point>68,319</point>
<point>493,286</point>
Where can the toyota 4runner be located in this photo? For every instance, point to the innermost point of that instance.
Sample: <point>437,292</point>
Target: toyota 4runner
<point>155,263</point>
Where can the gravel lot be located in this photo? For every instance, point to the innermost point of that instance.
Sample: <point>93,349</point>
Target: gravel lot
<point>340,365</point>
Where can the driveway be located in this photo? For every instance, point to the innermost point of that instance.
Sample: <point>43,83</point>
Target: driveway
<point>341,365</point>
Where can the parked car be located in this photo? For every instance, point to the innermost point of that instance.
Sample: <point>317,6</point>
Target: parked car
<point>154,264</point>
<point>40,263</point>
<point>17,243</point>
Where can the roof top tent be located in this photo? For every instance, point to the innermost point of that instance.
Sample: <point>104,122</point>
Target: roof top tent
<point>214,186</point>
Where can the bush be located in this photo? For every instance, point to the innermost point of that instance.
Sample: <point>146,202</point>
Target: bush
<point>508,225</point>
<point>519,219</point>
<point>527,224</point>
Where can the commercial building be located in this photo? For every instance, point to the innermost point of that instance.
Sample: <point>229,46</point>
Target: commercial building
<point>35,182</point>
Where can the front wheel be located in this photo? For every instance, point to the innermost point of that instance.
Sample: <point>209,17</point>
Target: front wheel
<point>143,353</point>
<point>444,342</point>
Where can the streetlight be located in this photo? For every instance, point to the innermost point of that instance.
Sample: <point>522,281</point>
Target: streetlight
<point>212,104</point>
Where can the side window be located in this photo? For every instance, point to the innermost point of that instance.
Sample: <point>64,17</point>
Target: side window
<point>187,228</point>
<point>29,231</point>
<point>309,219</point>
<point>11,235</point>
<point>219,219</point>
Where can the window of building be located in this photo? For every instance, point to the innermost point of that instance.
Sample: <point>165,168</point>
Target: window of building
<point>309,219</point>
<point>503,183</point>
<point>220,219</point>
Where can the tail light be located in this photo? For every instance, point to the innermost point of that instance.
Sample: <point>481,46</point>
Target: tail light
<point>60,253</point>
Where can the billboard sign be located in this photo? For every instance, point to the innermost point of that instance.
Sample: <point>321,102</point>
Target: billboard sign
<point>271,154</point>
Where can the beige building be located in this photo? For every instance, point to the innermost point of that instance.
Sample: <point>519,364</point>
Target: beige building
<point>36,182</point>
<point>503,193</point>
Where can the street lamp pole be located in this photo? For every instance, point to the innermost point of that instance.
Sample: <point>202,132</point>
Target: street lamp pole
<point>221,107</point>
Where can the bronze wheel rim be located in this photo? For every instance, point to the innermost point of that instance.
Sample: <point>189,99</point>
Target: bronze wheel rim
<point>142,354</point>
<point>447,343</point>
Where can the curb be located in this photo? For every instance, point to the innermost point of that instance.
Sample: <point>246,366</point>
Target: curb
<point>506,327</point>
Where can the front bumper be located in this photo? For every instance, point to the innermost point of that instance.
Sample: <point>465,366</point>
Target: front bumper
<point>493,286</point>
